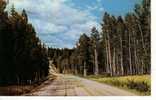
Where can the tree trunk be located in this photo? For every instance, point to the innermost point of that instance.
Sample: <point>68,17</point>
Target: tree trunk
<point>121,58</point>
<point>136,58</point>
<point>96,62</point>
<point>142,67</point>
<point>130,58</point>
<point>84,70</point>
<point>114,63</point>
<point>143,45</point>
<point>109,55</point>
<point>142,39</point>
<point>117,65</point>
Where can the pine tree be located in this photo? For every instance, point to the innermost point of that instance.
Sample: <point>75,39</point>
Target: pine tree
<point>95,42</point>
<point>21,53</point>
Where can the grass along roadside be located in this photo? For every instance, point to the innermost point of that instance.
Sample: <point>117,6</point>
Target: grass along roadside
<point>138,84</point>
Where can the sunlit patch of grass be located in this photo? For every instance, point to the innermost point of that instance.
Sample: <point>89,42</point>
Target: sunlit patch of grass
<point>140,84</point>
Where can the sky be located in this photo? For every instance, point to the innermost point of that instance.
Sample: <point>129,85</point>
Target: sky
<point>59,23</point>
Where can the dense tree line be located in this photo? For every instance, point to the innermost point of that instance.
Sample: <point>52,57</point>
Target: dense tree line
<point>23,58</point>
<point>121,48</point>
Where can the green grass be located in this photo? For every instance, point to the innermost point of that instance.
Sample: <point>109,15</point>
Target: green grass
<point>139,84</point>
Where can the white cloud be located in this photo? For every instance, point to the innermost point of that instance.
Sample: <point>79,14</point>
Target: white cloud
<point>96,7</point>
<point>48,27</point>
<point>57,17</point>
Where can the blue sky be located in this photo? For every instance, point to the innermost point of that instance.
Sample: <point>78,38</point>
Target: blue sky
<point>59,23</point>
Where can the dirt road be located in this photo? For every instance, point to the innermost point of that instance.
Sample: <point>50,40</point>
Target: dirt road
<point>68,85</point>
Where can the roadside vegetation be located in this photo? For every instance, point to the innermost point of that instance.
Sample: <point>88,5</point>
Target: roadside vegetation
<point>139,84</point>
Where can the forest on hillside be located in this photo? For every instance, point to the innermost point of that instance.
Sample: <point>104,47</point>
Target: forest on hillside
<point>23,58</point>
<point>122,47</point>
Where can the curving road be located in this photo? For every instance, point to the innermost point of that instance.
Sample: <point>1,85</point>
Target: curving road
<point>68,85</point>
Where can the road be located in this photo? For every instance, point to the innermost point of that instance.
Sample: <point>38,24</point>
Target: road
<point>69,85</point>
